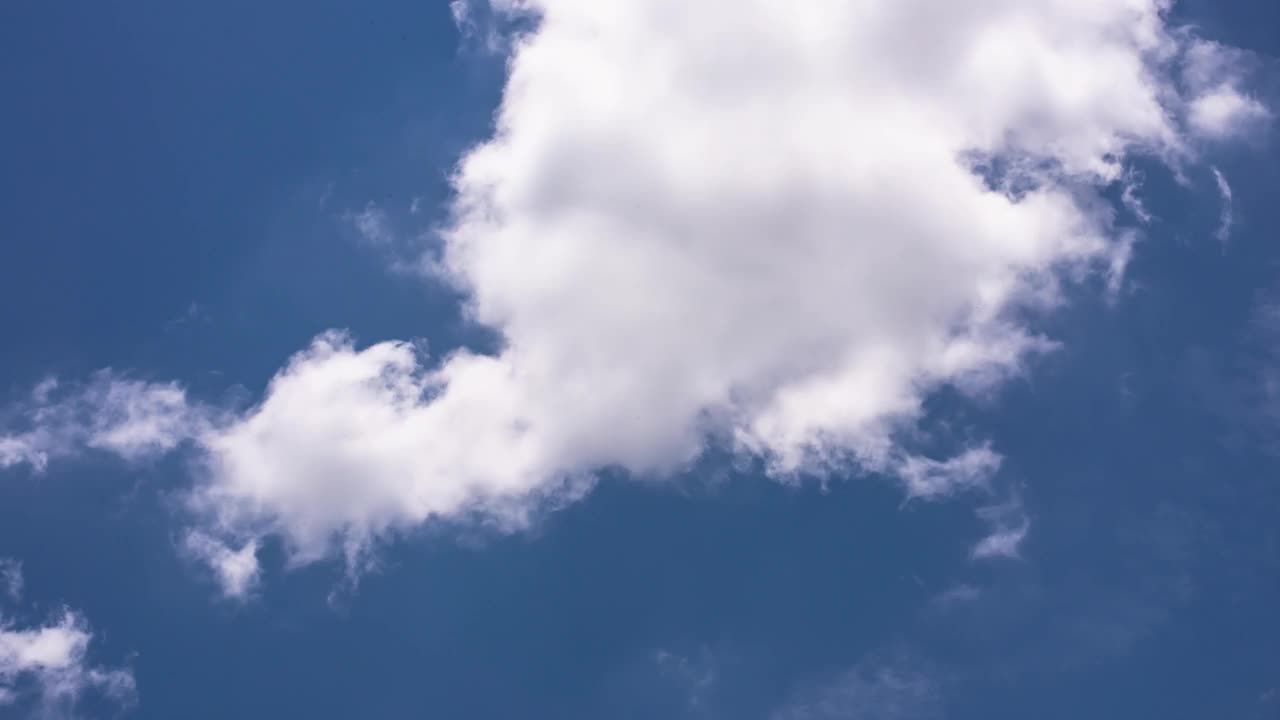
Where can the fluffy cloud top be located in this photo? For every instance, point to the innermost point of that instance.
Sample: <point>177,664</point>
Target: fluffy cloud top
<point>775,226</point>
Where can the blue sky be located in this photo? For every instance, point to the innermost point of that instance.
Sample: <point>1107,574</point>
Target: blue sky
<point>1063,508</point>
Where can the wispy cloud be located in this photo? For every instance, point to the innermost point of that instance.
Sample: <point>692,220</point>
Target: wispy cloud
<point>696,674</point>
<point>236,570</point>
<point>957,594</point>
<point>1009,526</point>
<point>132,419</point>
<point>1132,200</point>
<point>895,687</point>
<point>488,26</point>
<point>1223,233</point>
<point>1218,105</point>
<point>928,478</point>
<point>11,581</point>
<point>372,225</point>
<point>45,671</point>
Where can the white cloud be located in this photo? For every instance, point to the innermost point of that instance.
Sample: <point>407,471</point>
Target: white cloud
<point>777,226</point>
<point>11,578</point>
<point>45,669</point>
<point>128,418</point>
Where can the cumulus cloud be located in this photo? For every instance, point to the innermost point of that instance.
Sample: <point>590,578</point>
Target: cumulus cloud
<point>129,418</point>
<point>45,670</point>
<point>777,227</point>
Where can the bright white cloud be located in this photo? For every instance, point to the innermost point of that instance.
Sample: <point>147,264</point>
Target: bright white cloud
<point>775,226</point>
<point>45,669</point>
<point>778,239</point>
<point>129,418</point>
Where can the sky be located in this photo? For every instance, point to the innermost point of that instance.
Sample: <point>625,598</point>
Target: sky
<point>640,359</point>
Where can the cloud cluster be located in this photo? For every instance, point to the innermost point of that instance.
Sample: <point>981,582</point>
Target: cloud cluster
<point>44,669</point>
<point>777,227</point>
